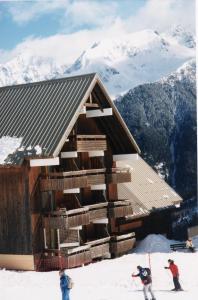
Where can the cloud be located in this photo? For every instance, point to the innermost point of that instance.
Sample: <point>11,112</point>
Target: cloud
<point>64,48</point>
<point>163,14</point>
<point>104,22</point>
<point>75,12</point>
<point>23,12</point>
<point>90,13</point>
<point>78,14</point>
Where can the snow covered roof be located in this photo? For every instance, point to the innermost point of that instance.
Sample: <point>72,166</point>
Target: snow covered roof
<point>147,189</point>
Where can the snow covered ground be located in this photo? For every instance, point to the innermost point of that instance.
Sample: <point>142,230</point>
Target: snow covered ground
<point>110,279</point>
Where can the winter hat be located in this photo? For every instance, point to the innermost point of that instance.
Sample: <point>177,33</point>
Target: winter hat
<point>61,271</point>
<point>170,261</point>
<point>139,267</point>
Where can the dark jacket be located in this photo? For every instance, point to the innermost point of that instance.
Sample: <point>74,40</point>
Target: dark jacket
<point>145,275</point>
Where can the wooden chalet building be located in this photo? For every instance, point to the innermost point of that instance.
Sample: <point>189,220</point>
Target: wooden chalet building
<point>74,201</point>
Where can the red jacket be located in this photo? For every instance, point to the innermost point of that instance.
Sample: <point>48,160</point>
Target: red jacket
<point>174,270</point>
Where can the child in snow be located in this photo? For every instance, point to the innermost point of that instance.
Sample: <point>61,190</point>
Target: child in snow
<point>64,281</point>
<point>145,276</point>
<point>189,245</point>
<point>175,272</point>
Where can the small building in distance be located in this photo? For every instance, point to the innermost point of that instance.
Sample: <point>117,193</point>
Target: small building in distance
<point>73,187</point>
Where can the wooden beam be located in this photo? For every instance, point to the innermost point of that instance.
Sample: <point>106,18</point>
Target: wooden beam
<point>91,136</point>
<point>98,187</point>
<point>96,153</point>
<point>71,191</point>
<point>45,238</point>
<point>121,157</point>
<point>101,221</point>
<point>69,154</point>
<point>65,245</point>
<point>98,113</point>
<point>83,110</point>
<point>95,105</point>
<point>40,162</point>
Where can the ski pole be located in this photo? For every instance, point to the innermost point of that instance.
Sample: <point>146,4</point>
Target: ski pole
<point>134,282</point>
<point>149,258</point>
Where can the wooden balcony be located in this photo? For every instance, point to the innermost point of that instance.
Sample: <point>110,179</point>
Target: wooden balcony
<point>86,143</point>
<point>76,257</point>
<point>99,248</point>
<point>64,219</point>
<point>59,181</point>
<point>66,259</point>
<point>122,244</point>
<point>119,209</point>
<point>97,211</point>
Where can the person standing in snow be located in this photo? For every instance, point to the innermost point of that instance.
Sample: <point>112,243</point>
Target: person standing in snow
<point>64,285</point>
<point>175,272</point>
<point>189,245</point>
<point>145,276</point>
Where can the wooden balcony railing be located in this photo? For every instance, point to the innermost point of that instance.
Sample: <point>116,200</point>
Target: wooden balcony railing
<point>76,257</point>
<point>85,143</point>
<point>122,244</point>
<point>65,258</point>
<point>59,181</point>
<point>97,211</point>
<point>99,247</point>
<point>119,209</point>
<point>76,217</point>
<point>64,219</point>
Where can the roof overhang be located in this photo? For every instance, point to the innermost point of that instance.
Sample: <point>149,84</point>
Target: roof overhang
<point>95,80</point>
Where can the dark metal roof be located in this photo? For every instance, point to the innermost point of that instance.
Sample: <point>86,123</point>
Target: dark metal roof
<point>41,112</point>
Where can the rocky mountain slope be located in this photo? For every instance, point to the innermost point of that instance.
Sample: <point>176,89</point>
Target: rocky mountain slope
<point>162,118</point>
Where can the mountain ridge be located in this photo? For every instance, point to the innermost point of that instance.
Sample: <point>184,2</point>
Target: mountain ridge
<point>122,63</point>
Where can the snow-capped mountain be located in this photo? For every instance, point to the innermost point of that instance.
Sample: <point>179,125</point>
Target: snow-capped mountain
<point>134,59</point>
<point>182,36</point>
<point>122,63</point>
<point>26,68</point>
<point>187,73</point>
<point>162,118</point>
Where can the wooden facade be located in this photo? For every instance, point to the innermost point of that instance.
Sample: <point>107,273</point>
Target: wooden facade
<point>61,209</point>
<point>60,215</point>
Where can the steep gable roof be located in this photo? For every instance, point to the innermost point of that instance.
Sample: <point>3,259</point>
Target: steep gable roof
<point>40,112</point>
<point>43,113</point>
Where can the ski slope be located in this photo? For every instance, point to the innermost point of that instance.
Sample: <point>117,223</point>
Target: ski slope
<point>109,279</point>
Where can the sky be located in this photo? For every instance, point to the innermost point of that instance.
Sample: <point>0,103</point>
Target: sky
<point>64,28</point>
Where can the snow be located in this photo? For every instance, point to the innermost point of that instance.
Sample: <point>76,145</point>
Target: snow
<point>8,145</point>
<point>109,279</point>
<point>154,243</point>
<point>159,167</point>
<point>133,59</point>
<point>38,149</point>
<point>122,63</point>
<point>185,72</point>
